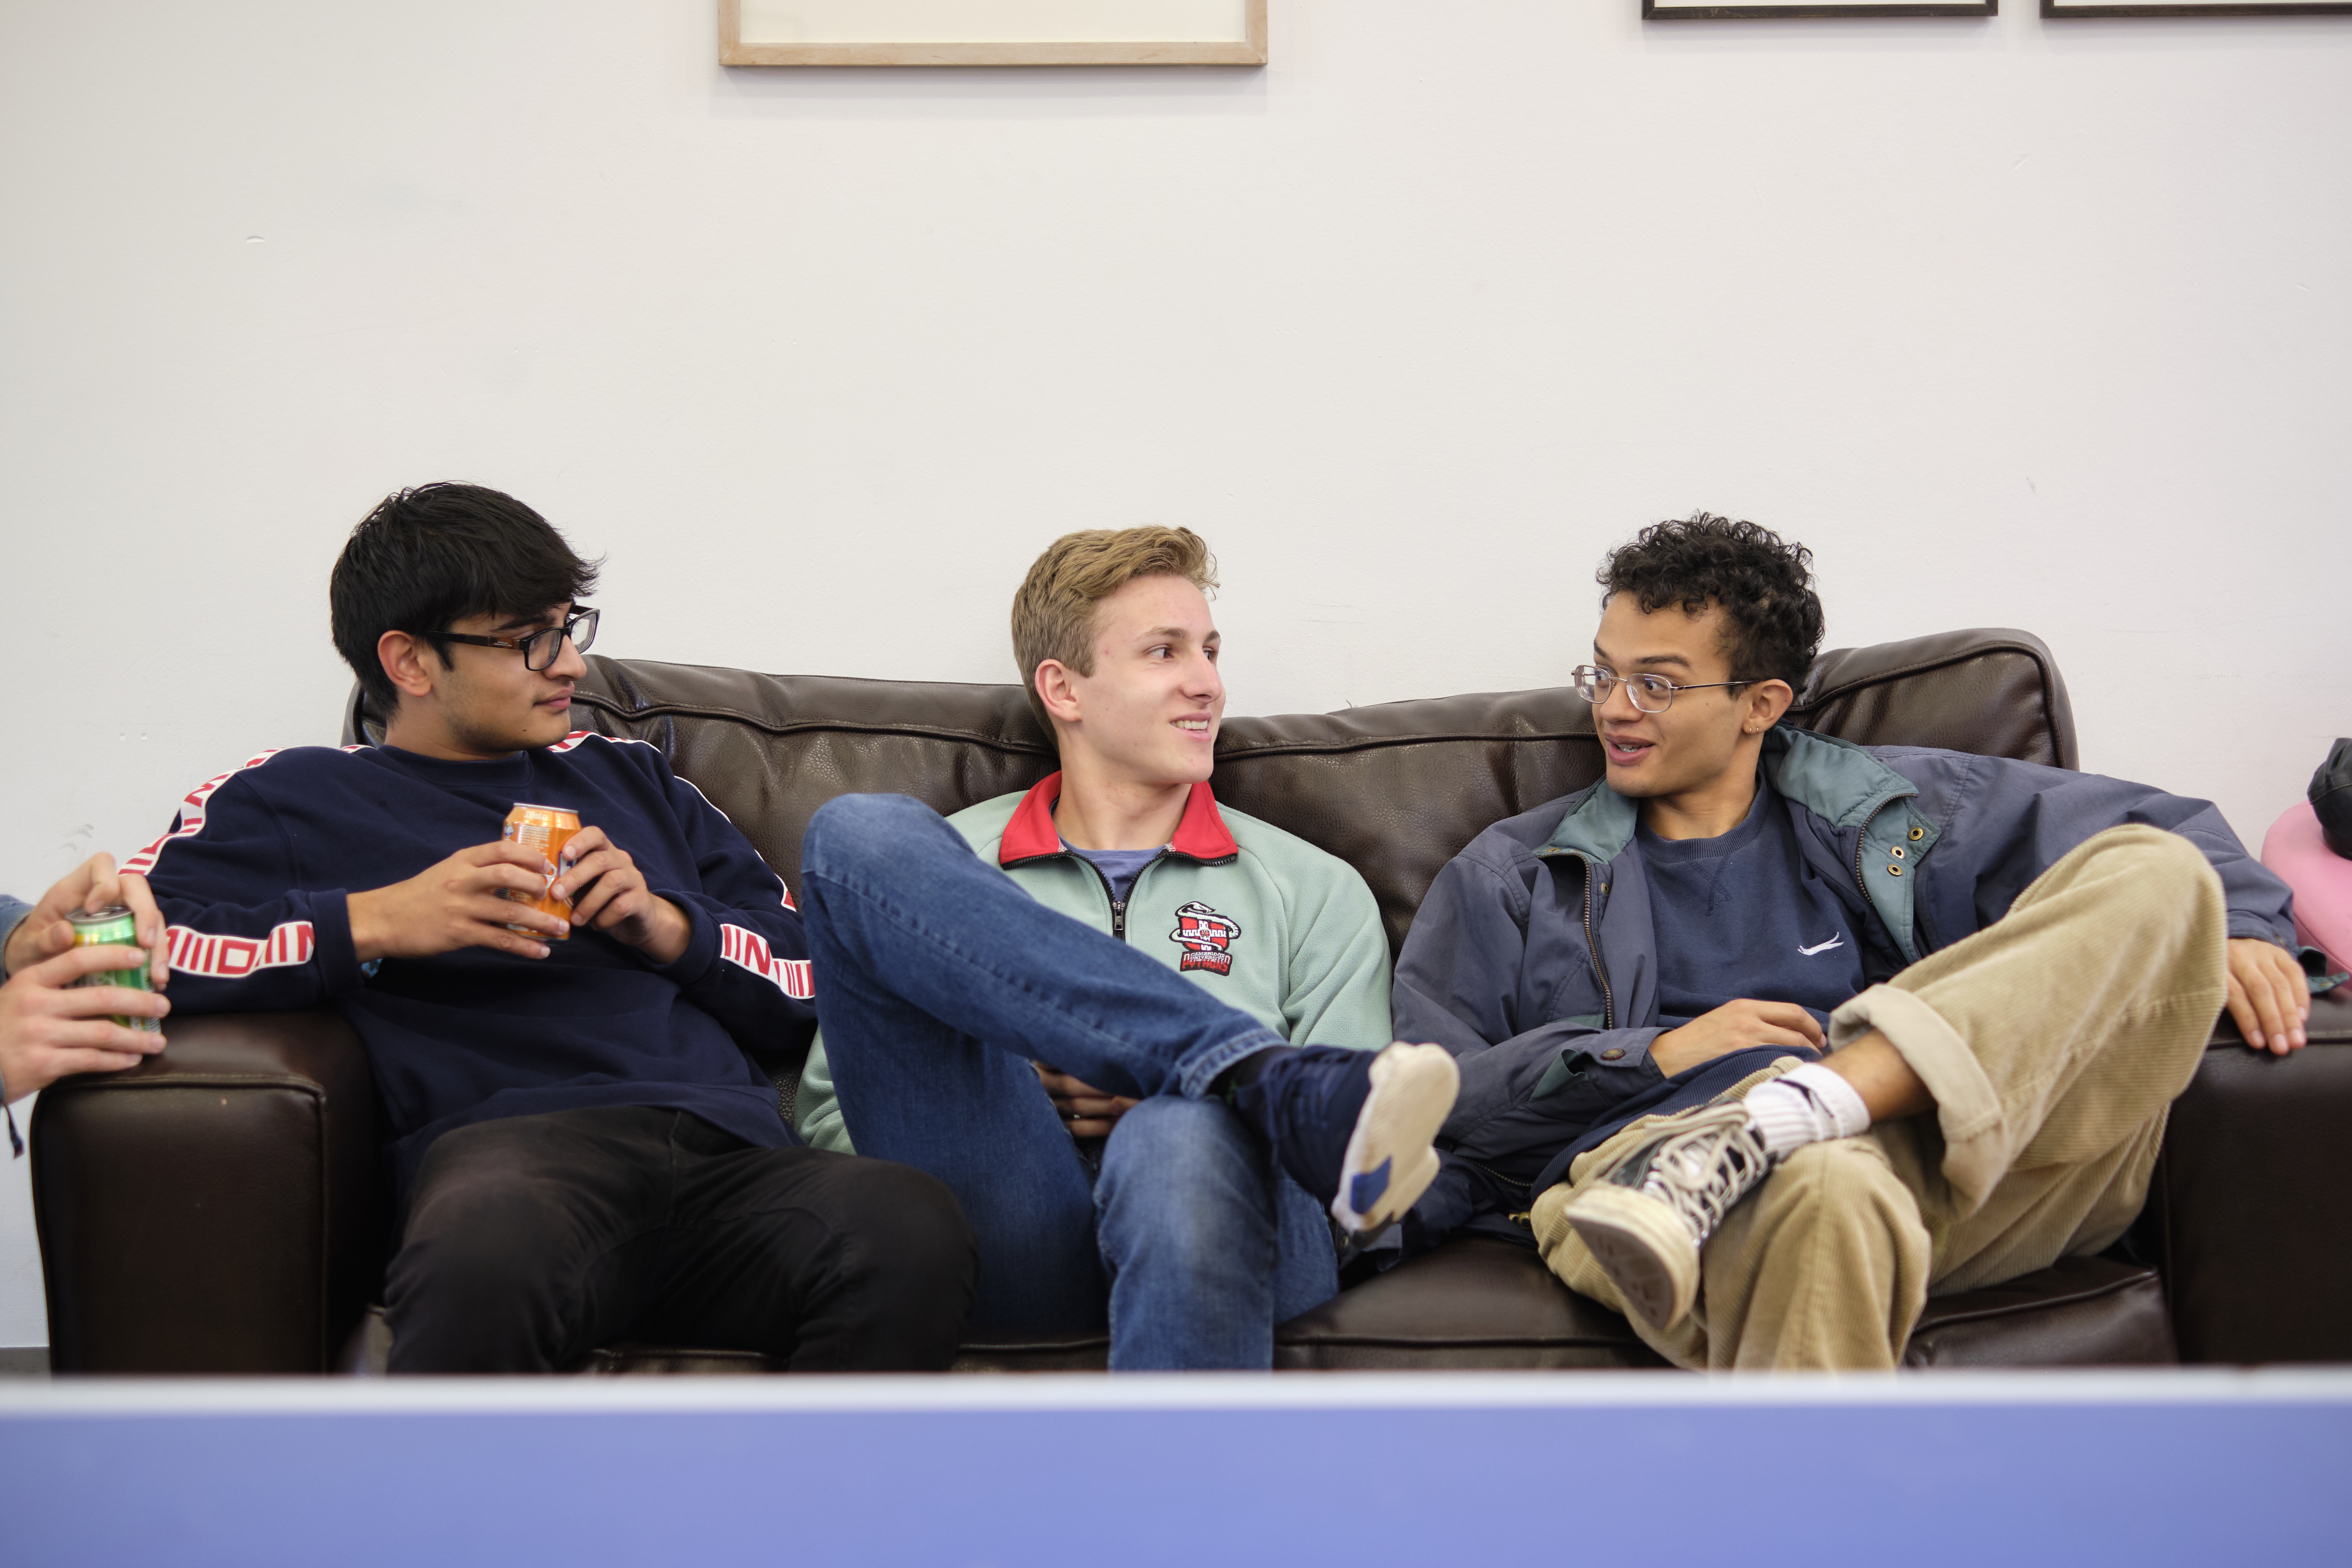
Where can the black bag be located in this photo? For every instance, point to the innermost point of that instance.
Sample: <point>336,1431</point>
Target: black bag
<point>2331,797</point>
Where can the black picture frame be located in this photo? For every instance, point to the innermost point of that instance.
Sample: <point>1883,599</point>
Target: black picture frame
<point>1654,11</point>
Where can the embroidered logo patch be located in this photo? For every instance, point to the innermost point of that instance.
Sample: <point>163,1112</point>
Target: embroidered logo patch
<point>1206,937</point>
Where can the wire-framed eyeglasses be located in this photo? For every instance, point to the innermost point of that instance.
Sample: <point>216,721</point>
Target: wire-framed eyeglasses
<point>539,648</point>
<point>1650,693</point>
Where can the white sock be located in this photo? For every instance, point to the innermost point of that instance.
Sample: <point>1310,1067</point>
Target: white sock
<point>1805,1106</point>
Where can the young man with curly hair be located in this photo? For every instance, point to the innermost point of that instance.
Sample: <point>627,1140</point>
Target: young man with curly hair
<point>1142,1037</point>
<point>1782,1035</point>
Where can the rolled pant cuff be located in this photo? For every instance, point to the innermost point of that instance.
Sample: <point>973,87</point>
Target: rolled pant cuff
<point>1968,1109</point>
<point>1195,1079</point>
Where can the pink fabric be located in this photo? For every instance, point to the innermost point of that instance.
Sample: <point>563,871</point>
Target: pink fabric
<point>2322,880</point>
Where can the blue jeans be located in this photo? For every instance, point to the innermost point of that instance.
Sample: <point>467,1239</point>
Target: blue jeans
<point>937,981</point>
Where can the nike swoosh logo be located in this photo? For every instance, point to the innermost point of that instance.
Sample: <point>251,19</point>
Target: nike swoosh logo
<point>1809,951</point>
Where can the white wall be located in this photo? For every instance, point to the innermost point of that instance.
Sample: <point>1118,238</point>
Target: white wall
<point>2023,323</point>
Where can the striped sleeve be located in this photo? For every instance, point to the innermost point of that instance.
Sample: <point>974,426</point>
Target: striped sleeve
<point>241,935</point>
<point>748,951</point>
<point>759,984</point>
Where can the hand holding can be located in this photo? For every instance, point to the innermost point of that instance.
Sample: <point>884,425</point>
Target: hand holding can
<point>114,926</point>
<point>546,829</point>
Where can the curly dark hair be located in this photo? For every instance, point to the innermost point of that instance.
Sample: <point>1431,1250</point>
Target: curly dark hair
<point>1772,617</point>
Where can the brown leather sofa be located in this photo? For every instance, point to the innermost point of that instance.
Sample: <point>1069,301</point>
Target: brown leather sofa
<point>220,1209</point>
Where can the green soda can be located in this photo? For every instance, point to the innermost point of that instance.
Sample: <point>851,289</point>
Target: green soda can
<point>115,927</point>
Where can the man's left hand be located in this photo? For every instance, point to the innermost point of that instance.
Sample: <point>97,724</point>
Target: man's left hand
<point>608,893</point>
<point>2269,997</point>
<point>93,885</point>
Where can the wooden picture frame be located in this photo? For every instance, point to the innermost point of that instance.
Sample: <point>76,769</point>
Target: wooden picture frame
<point>2055,8</point>
<point>1680,11</point>
<point>992,33</point>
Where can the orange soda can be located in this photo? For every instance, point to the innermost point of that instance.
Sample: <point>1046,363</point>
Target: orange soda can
<point>546,829</point>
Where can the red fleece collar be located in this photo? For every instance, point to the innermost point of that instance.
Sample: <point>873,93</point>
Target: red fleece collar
<point>1031,834</point>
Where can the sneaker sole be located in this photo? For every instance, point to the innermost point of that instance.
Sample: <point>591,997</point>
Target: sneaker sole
<point>1389,1161</point>
<point>1643,1247</point>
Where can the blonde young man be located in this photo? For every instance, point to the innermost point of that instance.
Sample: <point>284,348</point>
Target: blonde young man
<point>1076,1004</point>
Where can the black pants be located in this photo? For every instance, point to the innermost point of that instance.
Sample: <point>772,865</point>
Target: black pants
<point>532,1240</point>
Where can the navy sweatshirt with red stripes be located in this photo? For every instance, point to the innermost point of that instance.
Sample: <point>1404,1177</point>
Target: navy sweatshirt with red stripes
<point>253,875</point>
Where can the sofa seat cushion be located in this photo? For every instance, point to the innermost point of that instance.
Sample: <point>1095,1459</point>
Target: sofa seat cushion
<point>631,1359</point>
<point>2083,1311</point>
<point>1009,1349</point>
<point>1479,1304</point>
<point>1476,1302</point>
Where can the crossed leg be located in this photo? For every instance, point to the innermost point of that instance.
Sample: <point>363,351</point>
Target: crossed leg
<point>2051,1046</point>
<point>937,981</point>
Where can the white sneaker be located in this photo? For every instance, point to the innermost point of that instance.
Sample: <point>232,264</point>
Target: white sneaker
<point>1646,1221</point>
<point>1389,1161</point>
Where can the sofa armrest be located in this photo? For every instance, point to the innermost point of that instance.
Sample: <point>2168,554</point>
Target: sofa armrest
<point>219,1208</point>
<point>2253,1198</point>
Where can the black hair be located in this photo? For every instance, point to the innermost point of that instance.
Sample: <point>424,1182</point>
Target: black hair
<point>435,554</point>
<point>1772,617</point>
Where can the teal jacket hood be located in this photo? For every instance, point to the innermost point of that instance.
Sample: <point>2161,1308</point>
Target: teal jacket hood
<point>1843,787</point>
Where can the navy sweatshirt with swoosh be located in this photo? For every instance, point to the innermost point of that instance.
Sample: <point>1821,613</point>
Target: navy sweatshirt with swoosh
<point>253,879</point>
<point>1745,914</point>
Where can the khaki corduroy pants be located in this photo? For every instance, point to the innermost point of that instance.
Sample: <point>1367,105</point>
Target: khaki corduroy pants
<point>2055,1042</point>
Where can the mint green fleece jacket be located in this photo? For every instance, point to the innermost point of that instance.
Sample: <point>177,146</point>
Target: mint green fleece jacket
<point>1260,918</point>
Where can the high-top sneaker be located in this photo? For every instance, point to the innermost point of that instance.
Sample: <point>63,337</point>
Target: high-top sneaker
<point>1647,1220</point>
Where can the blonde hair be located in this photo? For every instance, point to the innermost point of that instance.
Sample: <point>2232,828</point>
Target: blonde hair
<point>1054,613</point>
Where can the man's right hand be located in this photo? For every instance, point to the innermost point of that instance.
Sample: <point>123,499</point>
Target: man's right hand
<point>458,904</point>
<point>1086,1111</point>
<point>1734,1027</point>
<point>48,930</point>
<point>51,1027</point>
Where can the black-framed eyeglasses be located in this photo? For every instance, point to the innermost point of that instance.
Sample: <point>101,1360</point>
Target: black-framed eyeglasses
<point>539,648</point>
<point>1650,693</point>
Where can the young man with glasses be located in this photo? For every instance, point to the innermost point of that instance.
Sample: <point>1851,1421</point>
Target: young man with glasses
<point>580,1148</point>
<point>1769,1036</point>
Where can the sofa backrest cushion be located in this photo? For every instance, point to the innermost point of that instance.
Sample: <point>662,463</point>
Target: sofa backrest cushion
<point>1394,789</point>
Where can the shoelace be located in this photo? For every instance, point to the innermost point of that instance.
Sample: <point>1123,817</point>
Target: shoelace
<point>1704,1168</point>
